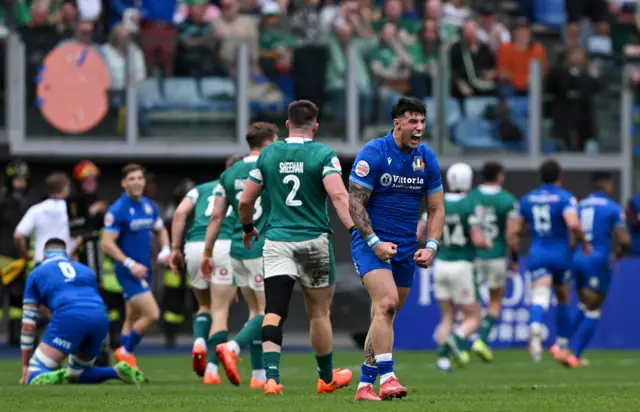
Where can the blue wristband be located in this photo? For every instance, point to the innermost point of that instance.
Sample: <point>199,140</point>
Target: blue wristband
<point>432,245</point>
<point>373,240</point>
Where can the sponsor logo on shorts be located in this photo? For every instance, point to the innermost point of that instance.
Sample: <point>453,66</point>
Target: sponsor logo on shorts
<point>224,272</point>
<point>362,168</point>
<point>62,343</point>
<point>258,278</point>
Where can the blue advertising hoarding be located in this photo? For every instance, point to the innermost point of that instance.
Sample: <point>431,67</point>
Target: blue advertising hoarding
<point>417,321</point>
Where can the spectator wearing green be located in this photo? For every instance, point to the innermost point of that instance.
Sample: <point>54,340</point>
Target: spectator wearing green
<point>393,13</point>
<point>424,55</point>
<point>391,65</point>
<point>447,32</point>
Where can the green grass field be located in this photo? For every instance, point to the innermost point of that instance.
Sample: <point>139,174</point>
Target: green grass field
<point>512,383</point>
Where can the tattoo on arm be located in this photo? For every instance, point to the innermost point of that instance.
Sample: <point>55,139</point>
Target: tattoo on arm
<point>358,198</point>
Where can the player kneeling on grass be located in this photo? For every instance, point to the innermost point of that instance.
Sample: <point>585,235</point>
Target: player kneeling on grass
<point>78,325</point>
<point>296,175</point>
<point>454,279</point>
<point>600,218</point>
<point>201,200</point>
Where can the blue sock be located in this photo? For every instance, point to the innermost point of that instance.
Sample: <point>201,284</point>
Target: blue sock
<point>33,374</point>
<point>123,339</point>
<point>97,374</point>
<point>563,323</point>
<point>132,342</point>
<point>578,317</point>
<point>385,367</point>
<point>368,374</point>
<point>583,335</point>
<point>536,314</point>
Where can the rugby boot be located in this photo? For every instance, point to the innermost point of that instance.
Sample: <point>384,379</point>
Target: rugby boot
<point>122,356</point>
<point>367,393</point>
<point>211,379</point>
<point>341,378</point>
<point>572,361</point>
<point>392,389</point>
<point>256,383</point>
<point>51,378</point>
<point>199,359</point>
<point>482,350</point>
<point>129,375</point>
<point>272,388</point>
<point>229,362</point>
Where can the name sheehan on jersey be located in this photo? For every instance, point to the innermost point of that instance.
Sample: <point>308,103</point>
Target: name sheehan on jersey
<point>291,167</point>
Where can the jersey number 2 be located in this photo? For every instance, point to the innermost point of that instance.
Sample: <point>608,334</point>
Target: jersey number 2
<point>291,197</point>
<point>67,271</point>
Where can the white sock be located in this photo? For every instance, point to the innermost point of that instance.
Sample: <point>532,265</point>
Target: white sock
<point>233,346</point>
<point>212,369</point>
<point>385,357</point>
<point>259,374</point>
<point>124,350</point>
<point>201,342</point>
<point>562,342</point>
<point>364,384</point>
<point>536,330</point>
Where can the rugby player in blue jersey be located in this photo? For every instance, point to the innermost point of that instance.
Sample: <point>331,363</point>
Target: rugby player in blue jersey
<point>551,214</point>
<point>78,325</point>
<point>600,217</point>
<point>128,225</point>
<point>389,178</point>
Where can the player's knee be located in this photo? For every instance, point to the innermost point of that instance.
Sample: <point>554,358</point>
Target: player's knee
<point>541,295</point>
<point>388,306</point>
<point>278,307</point>
<point>40,361</point>
<point>77,366</point>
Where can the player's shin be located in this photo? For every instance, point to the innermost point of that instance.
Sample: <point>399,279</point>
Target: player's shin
<point>540,300</point>
<point>248,333</point>
<point>578,317</point>
<point>214,340</point>
<point>585,332</point>
<point>201,327</point>
<point>272,345</point>
<point>83,371</point>
<point>563,325</point>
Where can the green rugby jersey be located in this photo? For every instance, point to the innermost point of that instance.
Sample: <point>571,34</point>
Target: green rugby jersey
<point>456,237</point>
<point>204,198</point>
<point>494,206</point>
<point>292,171</point>
<point>230,187</point>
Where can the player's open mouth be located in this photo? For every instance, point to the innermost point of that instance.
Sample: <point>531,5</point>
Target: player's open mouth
<point>416,137</point>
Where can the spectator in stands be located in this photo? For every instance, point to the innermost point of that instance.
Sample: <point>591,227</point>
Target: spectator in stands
<point>329,13</point>
<point>473,65</point>
<point>336,75</point>
<point>67,19</point>
<point>573,88</point>
<point>84,33</point>
<point>597,11</point>
<point>455,13</point>
<point>390,65</point>
<point>625,32</point>
<point>393,13</point>
<point>514,59</point>
<point>424,54</point>
<point>211,11</point>
<point>359,19</point>
<point>410,11</point>
<point>491,31</point>
<point>158,36</point>
<point>275,41</point>
<point>195,57</point>
<point>231,29</point>
<point>305,22</point>
<point>115,55</point>
<point>446,31</point>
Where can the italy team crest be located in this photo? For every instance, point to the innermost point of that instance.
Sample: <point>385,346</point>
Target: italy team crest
<point>147,209</point>
<point>418,163</point>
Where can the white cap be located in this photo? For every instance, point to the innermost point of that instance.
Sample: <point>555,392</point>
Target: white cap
<point>460,177</point>
<point>270,8</point>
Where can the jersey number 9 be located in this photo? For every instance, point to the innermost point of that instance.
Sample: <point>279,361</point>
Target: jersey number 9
<point>67,271</point>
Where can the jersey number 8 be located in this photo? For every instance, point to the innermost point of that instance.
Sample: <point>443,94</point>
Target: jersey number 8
<point>67,271</point>
<point>541,218</point>
<point>257,207</point>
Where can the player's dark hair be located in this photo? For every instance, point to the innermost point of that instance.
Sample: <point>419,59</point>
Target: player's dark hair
<point>408,105</point>
<point>130,168</point>
<point>550,171</point>
<point>56,182</point>
<point>302,114</point>
<point>491,171</point>
<point>598,177</point>
<point>233,160</point>
<point>55,242</point>
<point>259,133</point>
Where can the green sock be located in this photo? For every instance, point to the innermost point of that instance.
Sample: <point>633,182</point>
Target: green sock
<point>325,367</point>
<point>215,340</point>
<point>443,351</point>
<point>249,331</point>
<point>201,325</point>
<point>257,361</point>
<point>460,342</point>
<point>272,365</point>
<point>486,326</point>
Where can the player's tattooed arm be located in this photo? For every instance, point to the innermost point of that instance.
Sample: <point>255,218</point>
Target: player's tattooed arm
<point>435,211</point>
<point>358,198</point>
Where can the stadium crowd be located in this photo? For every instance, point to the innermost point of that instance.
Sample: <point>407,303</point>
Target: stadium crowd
<point>398,44</point>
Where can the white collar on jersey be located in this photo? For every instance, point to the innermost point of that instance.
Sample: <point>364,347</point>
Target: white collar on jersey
<point>250,159</point>
<point>454,197</point>
<point>292,139</point>
<point>489,189</point>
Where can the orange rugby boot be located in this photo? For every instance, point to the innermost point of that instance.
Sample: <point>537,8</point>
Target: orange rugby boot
<point>392,389</point>
<point>272,388</point>
<point>256,383</point>
<point>229,361</point>
<point>367,393</point>
<point>341,378</point>
<point>199,359</point>
<point>211,379</point>
<point>128,358</point>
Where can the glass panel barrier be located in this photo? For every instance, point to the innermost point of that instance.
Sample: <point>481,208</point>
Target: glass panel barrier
<point>75,81</point>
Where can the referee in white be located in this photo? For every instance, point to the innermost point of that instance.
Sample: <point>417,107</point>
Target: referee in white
<point>46,220</point>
